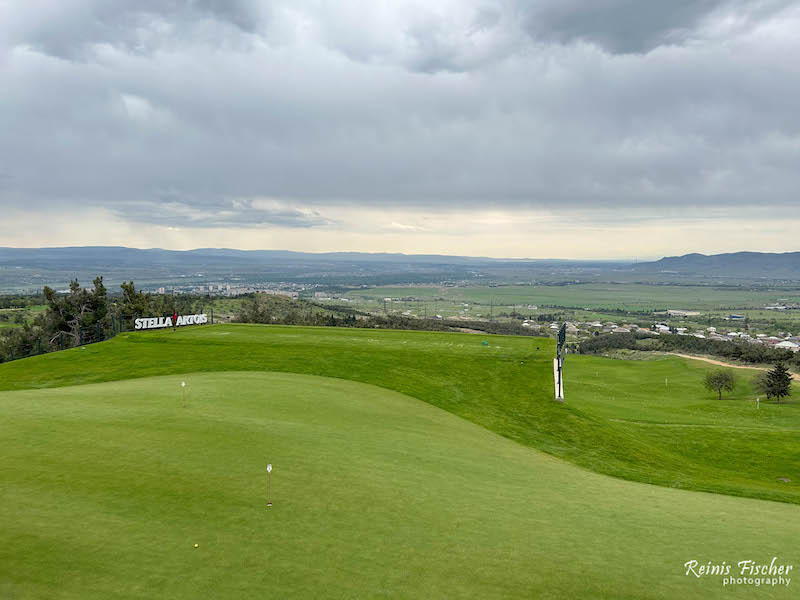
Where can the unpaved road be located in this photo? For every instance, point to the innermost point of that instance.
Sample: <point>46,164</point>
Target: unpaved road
<point>795,376</point>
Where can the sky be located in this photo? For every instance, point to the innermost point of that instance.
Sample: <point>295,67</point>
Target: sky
<point>506,128</point>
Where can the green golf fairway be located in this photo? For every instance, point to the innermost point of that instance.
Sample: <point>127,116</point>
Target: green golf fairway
<point>506,387</point>
<point>107,487</point>
<point>729,445</point>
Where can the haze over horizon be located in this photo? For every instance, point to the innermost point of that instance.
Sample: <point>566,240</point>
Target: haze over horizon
<point>611,129</point>
<point>630,259</point>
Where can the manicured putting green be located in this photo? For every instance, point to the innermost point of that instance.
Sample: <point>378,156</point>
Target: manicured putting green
<point>106,488</point>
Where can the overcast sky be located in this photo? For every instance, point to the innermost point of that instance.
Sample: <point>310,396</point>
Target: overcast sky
<point>540,128</point>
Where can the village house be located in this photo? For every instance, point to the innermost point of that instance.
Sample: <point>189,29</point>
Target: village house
<point>787,345</point>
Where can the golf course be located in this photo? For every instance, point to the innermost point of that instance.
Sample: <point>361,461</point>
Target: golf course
<point>405,465</point>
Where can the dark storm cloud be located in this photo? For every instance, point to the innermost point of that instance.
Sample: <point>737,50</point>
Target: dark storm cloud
<point>69,29</point>
<point>636,25</point>
<point>231,114</point>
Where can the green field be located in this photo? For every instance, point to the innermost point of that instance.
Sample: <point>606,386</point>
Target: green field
<point>628,296</point>
<point>586,302</point>
<point>504,387</point>
<point>108,482</point>
<point>729,446</point>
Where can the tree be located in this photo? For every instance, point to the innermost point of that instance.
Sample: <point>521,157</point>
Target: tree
<point>133,302</point>
<point>778,382</point>
<point>98,302</point>
<point>67,315</point>
<point>720,380</point>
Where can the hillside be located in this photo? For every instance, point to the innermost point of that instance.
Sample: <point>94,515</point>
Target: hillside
<point>758,265</point>
<point>505,387</point>
<point>108,481</point>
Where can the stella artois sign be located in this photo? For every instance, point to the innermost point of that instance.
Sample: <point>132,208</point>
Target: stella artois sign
<point>173,321</point>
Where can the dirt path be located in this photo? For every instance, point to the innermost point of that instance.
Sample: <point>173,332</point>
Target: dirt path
<point>467,330</point>
<point>795,376</point>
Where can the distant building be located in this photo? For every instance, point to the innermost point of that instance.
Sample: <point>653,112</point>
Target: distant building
<point>787,345</point>
<point>683,313</point>
<point>280,293</point>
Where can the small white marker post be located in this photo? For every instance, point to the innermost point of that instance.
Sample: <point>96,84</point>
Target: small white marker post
<point>183,391</point>
<point>758,402</point>
<point>269,498</point>
<point>666,381</point>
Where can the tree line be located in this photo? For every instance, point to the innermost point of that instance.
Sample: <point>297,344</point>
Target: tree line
<point>742,351</point>
<point>86,315</point>
<point>773,384</point>
<point>20,301</point>
<point>278,311</point>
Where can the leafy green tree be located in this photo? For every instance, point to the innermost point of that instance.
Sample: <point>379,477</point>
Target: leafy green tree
<point>720,380</point>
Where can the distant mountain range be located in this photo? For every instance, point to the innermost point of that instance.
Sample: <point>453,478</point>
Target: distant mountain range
<point>121,255</point>
<point>28,269</point>
<point>24,270</point>
<point>762,265</point>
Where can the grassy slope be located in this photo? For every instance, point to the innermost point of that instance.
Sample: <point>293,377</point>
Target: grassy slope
<point>505,387</point>
<point>106,488</point>
<point>663,401</point>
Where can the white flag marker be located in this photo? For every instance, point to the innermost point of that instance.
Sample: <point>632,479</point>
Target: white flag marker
<point>269,499</point>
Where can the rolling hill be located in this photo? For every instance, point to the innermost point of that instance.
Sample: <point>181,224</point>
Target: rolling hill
<point>757,265</point>
<point>108,482</point>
